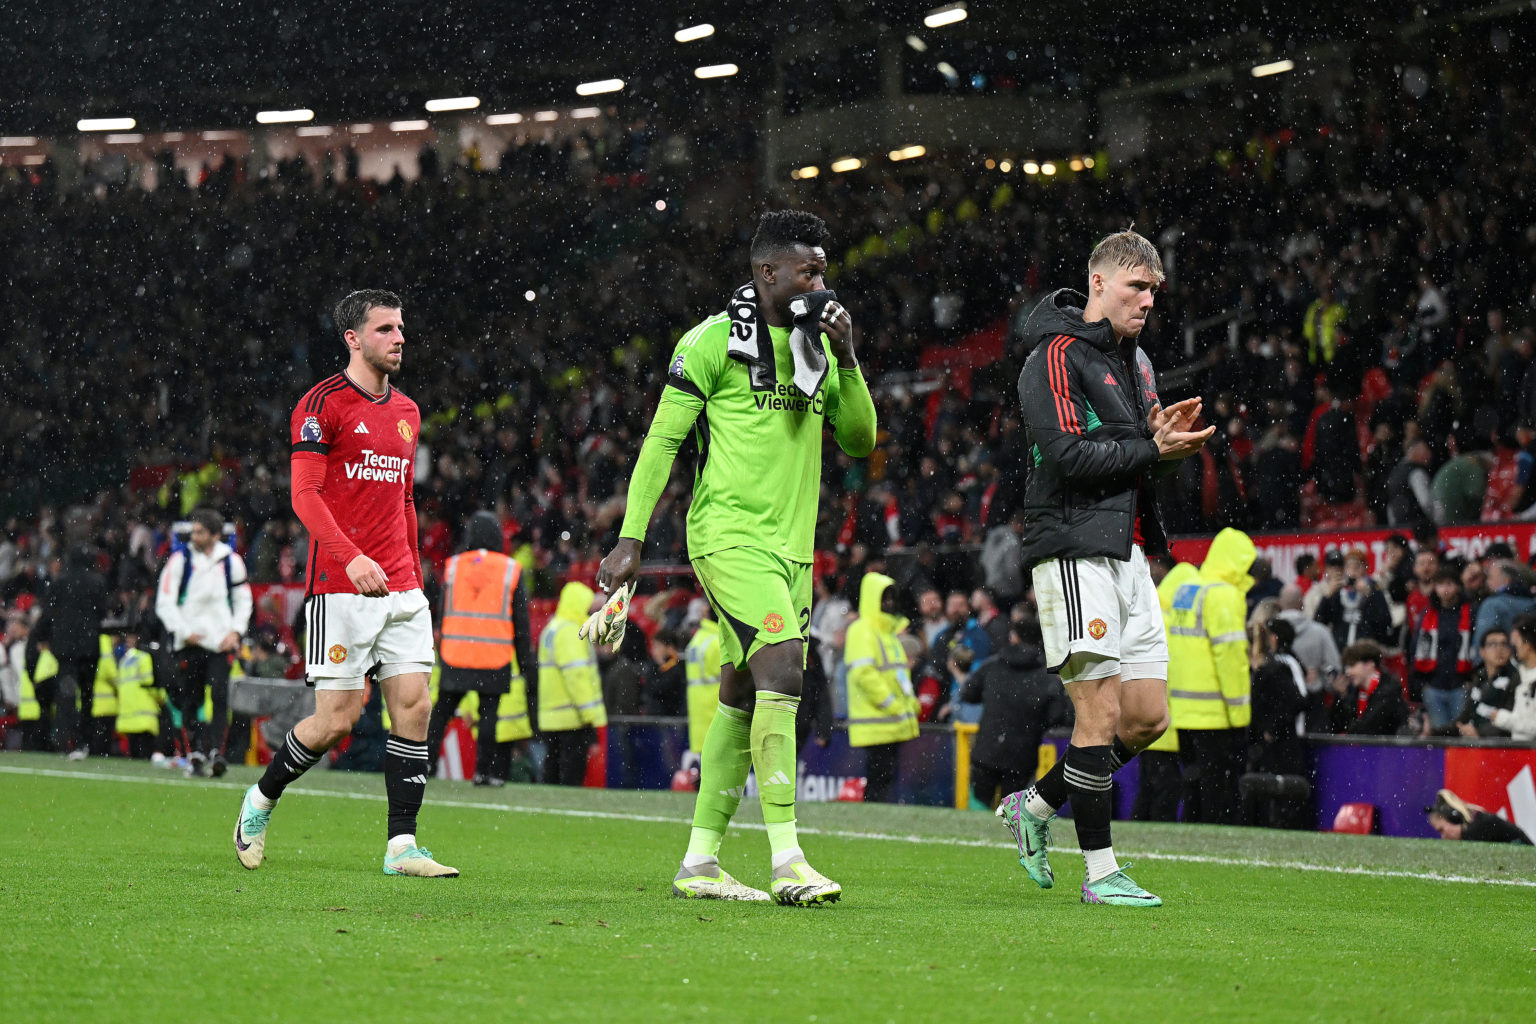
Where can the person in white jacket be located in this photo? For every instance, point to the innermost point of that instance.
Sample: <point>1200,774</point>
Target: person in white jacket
<point>204,603</point>
<point>1520,719</point>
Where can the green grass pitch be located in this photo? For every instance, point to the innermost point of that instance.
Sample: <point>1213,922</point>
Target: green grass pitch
<point>121,900</point>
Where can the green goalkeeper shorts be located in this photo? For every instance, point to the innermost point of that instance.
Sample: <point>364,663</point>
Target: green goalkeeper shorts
<point>763,598</point>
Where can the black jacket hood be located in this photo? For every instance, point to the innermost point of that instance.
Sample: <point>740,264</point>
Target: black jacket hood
<point>1022,657</point>
<point>1061,312</point>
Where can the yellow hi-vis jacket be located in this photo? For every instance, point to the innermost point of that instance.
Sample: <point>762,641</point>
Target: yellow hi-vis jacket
<point>570,689</point>
<point>104,689</point>
<point>881,706</point>
<point>701,666</point>
<point>138,699</point>
<point>47,667</point>
<point>1208,685</point>
<point>1179,575</point>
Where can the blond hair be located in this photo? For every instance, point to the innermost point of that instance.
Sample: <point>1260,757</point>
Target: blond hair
<point>1125,249</point>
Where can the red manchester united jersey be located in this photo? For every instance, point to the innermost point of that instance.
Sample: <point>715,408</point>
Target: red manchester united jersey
<point>368,443</point>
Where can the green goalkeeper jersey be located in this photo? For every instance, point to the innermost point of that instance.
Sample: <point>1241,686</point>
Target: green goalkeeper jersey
<point>758,478</point>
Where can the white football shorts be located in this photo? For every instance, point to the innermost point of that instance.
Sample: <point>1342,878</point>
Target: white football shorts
<point>349,634</point>
<point>1100,616</point>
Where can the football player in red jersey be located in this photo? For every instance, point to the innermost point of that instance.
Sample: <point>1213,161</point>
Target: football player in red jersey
<point>354,453</point>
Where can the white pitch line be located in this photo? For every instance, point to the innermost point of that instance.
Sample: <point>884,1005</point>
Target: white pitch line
<point>571,812</point>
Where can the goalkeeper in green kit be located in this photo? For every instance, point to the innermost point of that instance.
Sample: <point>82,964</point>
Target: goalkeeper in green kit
<point>754,385</point>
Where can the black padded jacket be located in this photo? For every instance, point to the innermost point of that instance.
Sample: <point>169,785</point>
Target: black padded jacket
<point>1086,396</point>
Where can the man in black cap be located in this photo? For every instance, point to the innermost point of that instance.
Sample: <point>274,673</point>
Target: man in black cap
<point>1454,818</point>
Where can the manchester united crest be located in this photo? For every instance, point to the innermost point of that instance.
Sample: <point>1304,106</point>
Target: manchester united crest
<point>337,654</point>
<point>405,430</point>
<point>773,622</point>
<point>1097,629</point>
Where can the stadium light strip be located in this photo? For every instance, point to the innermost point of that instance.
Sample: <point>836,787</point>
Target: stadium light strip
<point>597,88</point>
<point>917,44</point>
<point>124,140</point>
<point>908,152</point>
<point>409,126</point>
<point>105,124</point>
<point>1278,67</point>
<point>847,163</point>
<point>18,140</point>
<point>453,103</point>
<point>547,115</point>
<point>584,112</point>
<point>496,119</point>
<point>313,130</point>
<point>694,32</point>
<point>284,116</point>
<point>220,136</point>
<point>945,16</point>
<point>801,173</point>
<point>716,71</point>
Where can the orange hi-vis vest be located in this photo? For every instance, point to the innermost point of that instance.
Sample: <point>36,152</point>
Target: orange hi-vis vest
<point>477,610</point>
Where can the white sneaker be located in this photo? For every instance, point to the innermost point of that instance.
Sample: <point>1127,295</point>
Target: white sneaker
<point>159,760</point>
<point>417,862</point>
<point>251,832</point>
<point>704,883</point>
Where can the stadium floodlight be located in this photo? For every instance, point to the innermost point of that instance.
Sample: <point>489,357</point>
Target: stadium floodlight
<point>529,295</point>
<point>284,116</point>
<point>34,160</point>
<point>313,130</point>
<point>948,70</point>
<point>409,126</point>
<point>908,152</point>
<point>1047,168</point>
<point>1278,67</point>
<point>453,103</point>
<point>917,44</point>
<point>1088,162</point>
<point>1030,167</point>
<point>947,15</point>
<point>496,119</point>
<point>105,124</point>
<point>716,71</point>
<point>598,88</point>
<point>802,173</point>
<point>361,129</point>
<point>847,163</point>
<point>1006,166</point>
<point>17,140</point>
<point>694,32</point>
<point>124,139</point>
<point>173,136</point>
<point>581,113</point>
<point>1076,163</point>
<point>547,115</point>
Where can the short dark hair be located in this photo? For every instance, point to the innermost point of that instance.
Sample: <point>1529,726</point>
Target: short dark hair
<point>1525,625</point>
<point>352,311</point>
<point>669,638</point>
<point>1362,650</point>
<point>208,519</point>
<point>1447,574</point>
<point>778,230</point>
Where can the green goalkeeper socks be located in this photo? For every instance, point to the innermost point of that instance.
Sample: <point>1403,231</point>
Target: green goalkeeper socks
<point>773,755</point>
<point>723,766</point>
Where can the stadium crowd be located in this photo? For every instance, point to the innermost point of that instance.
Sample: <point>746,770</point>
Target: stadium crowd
<point>1379,277</point>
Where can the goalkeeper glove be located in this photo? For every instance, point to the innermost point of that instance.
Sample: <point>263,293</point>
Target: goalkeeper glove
<point>606,625</point>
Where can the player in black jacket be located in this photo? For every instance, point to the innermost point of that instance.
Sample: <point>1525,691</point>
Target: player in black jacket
<point>1098,433</point>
